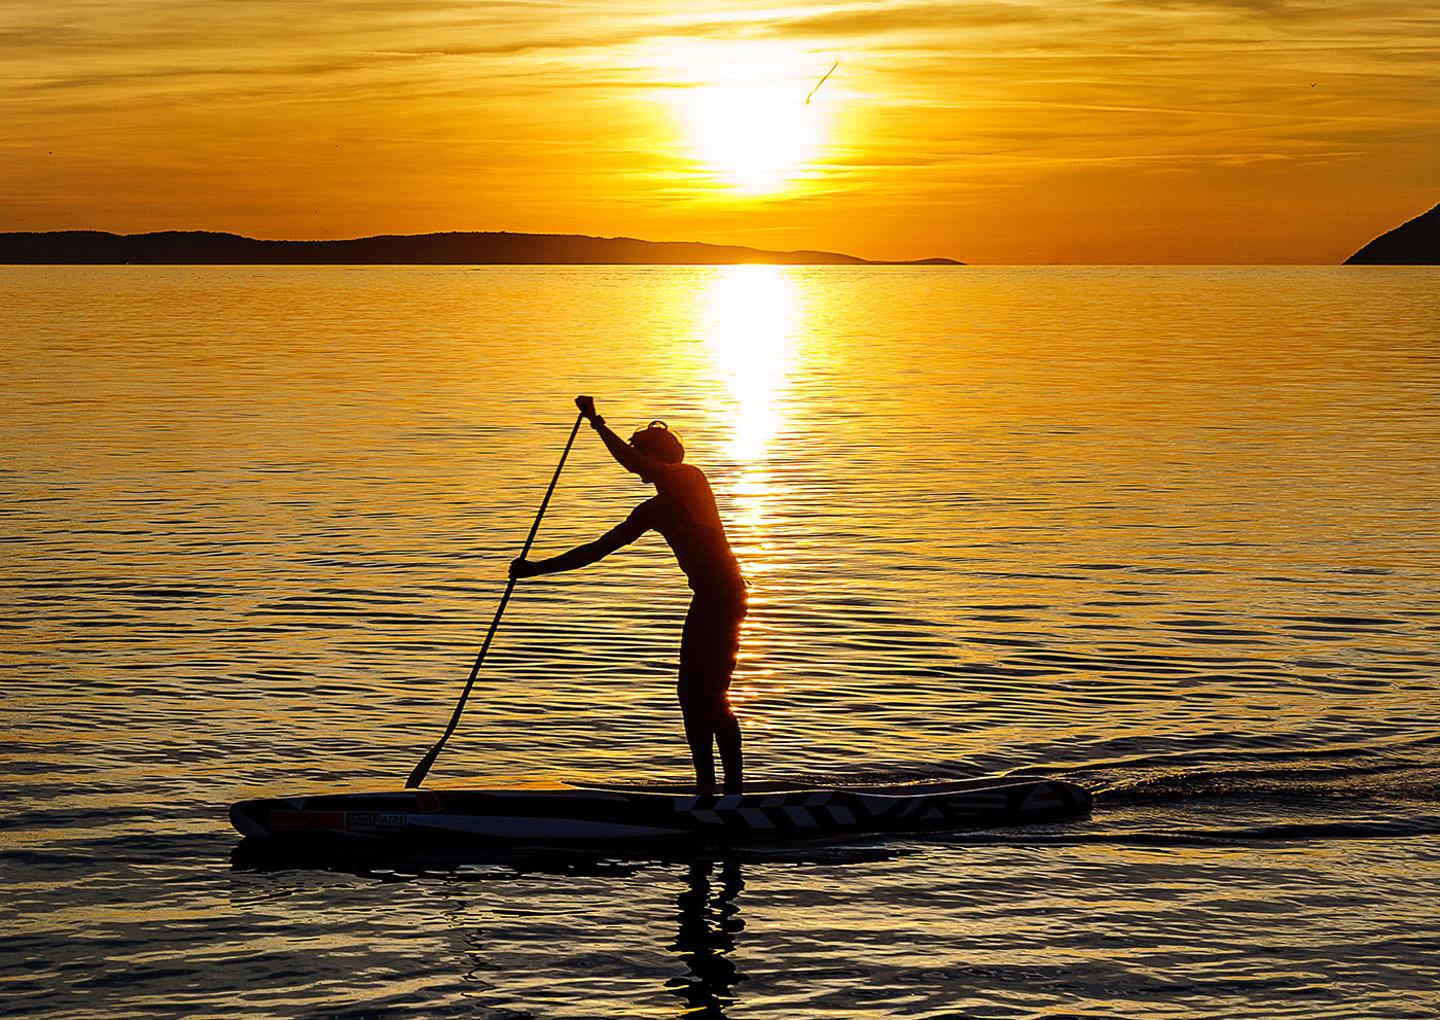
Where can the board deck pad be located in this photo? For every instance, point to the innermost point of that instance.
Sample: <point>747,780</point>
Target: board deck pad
<point>602,813</point>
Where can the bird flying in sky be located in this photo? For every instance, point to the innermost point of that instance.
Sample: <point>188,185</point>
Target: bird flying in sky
<point>821,82</point>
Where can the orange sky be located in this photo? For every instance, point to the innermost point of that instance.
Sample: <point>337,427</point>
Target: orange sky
<point>994,132</point>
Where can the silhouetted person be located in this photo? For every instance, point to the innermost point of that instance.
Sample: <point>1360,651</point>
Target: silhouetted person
<point>683,511</point>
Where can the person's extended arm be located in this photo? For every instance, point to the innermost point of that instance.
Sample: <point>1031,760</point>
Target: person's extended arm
<point>622,534</point>
<point>627,456</point>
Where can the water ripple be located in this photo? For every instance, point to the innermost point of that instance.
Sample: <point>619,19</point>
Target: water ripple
<point>1170,533</point>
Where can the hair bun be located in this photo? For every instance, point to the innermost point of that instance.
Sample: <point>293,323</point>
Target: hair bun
<point>658,441</point>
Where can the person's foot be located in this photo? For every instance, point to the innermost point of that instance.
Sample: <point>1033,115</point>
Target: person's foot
<point>706,790</point>
<point>735,788</point>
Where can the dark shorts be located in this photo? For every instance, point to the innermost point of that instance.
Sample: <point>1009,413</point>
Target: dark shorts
<point>708,648</point>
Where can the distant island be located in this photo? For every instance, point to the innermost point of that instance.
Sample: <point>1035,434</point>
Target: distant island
<point>1416,243</point>
<point>203,247</point>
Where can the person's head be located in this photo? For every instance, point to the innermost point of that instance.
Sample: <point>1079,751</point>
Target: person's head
<point>657,442</point>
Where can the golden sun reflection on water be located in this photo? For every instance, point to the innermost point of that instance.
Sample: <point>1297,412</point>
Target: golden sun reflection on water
<point>752,317</point>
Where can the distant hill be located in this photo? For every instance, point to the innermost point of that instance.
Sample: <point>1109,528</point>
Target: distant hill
<point>1416,243</point>
<point>203,247</point>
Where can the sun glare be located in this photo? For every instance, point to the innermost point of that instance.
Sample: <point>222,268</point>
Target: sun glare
<point>755,138</point>
<point>749,114</point>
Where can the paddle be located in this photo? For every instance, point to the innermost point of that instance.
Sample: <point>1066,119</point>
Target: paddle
<point>418,776</point>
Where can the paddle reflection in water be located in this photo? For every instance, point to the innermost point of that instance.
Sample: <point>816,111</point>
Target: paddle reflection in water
<point>709,922</point>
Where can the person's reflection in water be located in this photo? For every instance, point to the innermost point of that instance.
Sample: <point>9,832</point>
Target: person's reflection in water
<point>709,922</point>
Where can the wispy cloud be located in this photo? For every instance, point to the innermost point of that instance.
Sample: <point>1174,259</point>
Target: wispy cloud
<point>501,110</point>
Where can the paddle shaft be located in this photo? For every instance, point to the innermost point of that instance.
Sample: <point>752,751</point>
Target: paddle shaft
<point>418,775</point>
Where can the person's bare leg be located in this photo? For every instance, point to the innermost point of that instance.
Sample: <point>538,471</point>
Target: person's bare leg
<point>701,739</point>
<point>727,736</point>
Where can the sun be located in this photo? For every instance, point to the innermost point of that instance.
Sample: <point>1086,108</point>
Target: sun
<point>757,138</point>
<point>749,114</point>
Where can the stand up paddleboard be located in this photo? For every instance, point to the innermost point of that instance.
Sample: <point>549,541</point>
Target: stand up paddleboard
<point>581,814</point>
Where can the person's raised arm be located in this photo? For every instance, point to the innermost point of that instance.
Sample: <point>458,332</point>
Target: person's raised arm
<point>622,534</point>
<point>626,456</point>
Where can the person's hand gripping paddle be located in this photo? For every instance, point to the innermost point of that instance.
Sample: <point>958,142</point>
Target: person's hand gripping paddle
<point>418,775</point>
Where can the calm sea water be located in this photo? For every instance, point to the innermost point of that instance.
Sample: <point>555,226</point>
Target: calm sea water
<point>1171,533</point>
